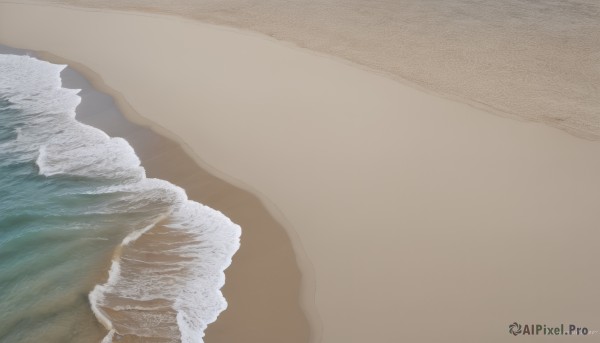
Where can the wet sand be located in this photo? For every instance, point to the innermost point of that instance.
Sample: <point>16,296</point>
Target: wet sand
<point>425,219</point>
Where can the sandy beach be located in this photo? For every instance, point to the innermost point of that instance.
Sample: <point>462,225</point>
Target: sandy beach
<point>371,210</point>
<point>529,60</point>
<point>165,159</point>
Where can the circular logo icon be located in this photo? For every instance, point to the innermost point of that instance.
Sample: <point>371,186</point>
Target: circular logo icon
<point>515,328</point>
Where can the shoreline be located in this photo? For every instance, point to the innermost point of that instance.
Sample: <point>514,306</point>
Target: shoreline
<point>166,159</point>
<point>374,176</point>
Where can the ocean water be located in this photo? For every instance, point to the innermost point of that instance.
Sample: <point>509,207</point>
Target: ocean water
<point>90,249</point>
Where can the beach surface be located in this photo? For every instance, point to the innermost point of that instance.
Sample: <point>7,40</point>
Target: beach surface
<point>526,59</point>
<point>410,217</point>
<point>164,158</point>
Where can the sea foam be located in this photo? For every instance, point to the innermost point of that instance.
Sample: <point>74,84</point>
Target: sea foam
<point>165,277</point>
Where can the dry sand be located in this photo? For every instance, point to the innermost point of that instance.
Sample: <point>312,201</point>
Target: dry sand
<point>424,219</point>
<point>536,60</point>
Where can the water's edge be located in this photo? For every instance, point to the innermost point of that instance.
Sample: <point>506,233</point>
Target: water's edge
<point>155,151</point>
<point>184,267</point>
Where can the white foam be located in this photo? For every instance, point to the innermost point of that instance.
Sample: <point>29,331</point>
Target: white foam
<point>97,295</point>
<point>209,226</point>
<point>49,134</point>
<point>137,234</point>
<point>195,295</point>
<point>110,159</point>
<point>109,337</point>
<point>47,111</point>
<point>35,85</point>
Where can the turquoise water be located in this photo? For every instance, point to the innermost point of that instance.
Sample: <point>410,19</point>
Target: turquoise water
<point>69,197</point>
<point>50,240</point>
